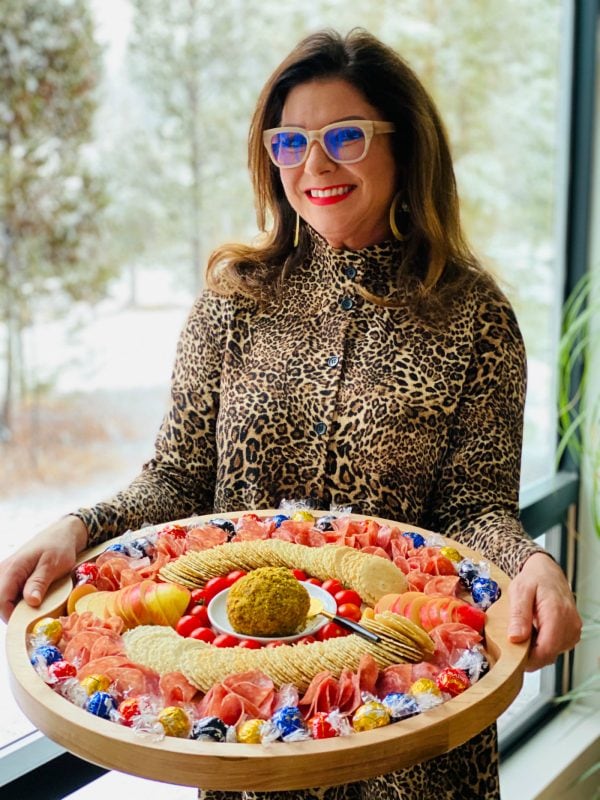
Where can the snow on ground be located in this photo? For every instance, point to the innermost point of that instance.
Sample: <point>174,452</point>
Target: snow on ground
<point>119,351</point>
<point>110,348</point>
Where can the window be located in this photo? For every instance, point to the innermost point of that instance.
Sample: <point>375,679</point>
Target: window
<point>166,150</point>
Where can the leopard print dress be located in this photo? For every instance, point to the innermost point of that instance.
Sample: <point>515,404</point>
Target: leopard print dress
<point>325,395</point>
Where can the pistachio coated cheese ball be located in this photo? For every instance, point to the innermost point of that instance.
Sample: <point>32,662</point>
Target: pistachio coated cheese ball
<point>268,602</point>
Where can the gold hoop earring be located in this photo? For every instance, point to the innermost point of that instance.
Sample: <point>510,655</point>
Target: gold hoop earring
<point>393,224</point>
<point>297,230</point>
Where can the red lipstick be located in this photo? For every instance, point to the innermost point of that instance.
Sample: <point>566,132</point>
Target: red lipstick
<point>328,195</point>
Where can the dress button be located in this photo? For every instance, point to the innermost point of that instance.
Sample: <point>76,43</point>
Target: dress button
<point>346,303</point>
<point>333,361</point>
<point>350,272</point>
<point>320,428</point>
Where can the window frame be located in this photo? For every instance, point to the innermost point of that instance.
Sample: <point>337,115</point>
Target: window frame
<point>26,763</point>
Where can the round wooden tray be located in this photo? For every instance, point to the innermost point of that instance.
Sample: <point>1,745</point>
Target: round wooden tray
<point>280,765</point>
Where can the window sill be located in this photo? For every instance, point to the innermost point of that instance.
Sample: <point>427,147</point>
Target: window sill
<point>26,754</point>
<point>549,764</point>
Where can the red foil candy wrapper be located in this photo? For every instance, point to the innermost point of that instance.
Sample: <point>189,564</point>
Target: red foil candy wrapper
<point>453,681</point>
<point>129,709</point>
<point>61,670</point>
<point>320,727</point>
<point>86,573</point>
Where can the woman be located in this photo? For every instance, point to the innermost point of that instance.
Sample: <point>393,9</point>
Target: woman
<point>357,356</point>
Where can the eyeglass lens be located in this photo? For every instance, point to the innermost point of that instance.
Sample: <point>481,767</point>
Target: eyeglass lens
<point>345,143</point>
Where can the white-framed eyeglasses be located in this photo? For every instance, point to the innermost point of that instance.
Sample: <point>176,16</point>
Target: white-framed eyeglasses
<point>344,142</point>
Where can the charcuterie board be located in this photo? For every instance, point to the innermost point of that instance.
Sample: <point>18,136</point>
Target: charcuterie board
<point>278,765</point>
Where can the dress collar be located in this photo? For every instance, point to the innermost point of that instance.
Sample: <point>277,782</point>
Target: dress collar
<point>374,267</point>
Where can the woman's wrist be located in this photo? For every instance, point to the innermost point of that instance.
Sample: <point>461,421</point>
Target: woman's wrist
<point>79,531</point>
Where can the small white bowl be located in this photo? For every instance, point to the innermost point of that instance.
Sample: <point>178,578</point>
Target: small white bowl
<point>217,614</point>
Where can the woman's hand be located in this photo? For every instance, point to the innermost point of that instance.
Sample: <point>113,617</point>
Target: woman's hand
<point>29,572</point>
<point>540,598</point>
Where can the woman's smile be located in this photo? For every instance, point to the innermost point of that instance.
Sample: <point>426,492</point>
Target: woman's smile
<point>329,194</point>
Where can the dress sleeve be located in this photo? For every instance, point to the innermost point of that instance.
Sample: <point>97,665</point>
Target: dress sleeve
<point>476,498</point>
<point>179,480</point>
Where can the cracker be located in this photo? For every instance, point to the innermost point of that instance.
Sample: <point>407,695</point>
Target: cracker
<point>378,576</point>
<point>408,628</point>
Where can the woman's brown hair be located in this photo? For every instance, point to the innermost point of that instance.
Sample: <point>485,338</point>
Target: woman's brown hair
<point>436,254</point>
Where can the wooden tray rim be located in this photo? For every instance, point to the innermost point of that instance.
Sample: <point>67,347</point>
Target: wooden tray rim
<point>237,767</point>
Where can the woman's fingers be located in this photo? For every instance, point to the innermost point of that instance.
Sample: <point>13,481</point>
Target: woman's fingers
<point>542,605</point>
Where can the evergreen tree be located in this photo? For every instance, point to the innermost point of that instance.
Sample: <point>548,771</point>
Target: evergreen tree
<point>49,199</point>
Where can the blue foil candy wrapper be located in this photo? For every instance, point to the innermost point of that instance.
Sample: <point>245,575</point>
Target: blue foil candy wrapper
<point>209,729</point>
<point>485,591</point>
<point>225,525</point>
<point>473,662</point>
<point>45,654</point>
<point>467,572</point>
<point>325,523</point>
<point>288,721</point>
<point>138,548</point>
<point>417,539</point>
<point>279,518</point>
<point>101,704</point>
<point>117,548</point>
<point>400,705</point>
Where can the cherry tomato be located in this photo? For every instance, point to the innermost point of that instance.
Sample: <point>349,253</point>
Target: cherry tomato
<point>201,614</point>
<point>214,586</point>
<point>299,574</point>
<point>350,611</point>
<point>187,624</point>
<point>203,634</point>
<point>225,640</point>
<point>314,581</point>
<point>348,596</point>
<point>332,586</point>
<point>306,640</point>
<point>197,596</point>
<point>234,576</point>
<point>275,644</point>
<point>331,631</point>
<point>471,616</point>
<point>250,644</point>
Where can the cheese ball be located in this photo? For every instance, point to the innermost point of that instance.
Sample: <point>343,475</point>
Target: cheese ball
<point>268,602</point>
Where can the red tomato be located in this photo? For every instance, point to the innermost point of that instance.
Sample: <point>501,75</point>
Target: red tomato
<point>332,586</point>
<point>225,640</point>
<point>201,614</point>
<point>187,624</point>
<point>348,596</point>
<point>331,631</point>
<point>203,634</point>
<point>214,586</point>
<point>306,640</point>
<point>350,611</point>
<point>197,596</point>
<point>299,574</point>
<point>314,581</point>
<point>250,644</point>
<point>275,644</point>
<point>471,616</point>
<point>234,576</point>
